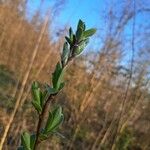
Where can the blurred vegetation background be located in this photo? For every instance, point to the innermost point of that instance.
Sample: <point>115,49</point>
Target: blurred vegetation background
<point>106,99</point>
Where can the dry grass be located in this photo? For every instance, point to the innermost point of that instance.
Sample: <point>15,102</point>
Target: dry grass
<point>92,98</point>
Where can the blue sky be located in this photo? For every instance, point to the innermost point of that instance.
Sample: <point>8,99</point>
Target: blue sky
<point>72,11</point>
<point>90,11</point>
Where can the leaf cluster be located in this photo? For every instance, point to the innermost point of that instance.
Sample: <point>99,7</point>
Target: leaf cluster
<point>76,42</point>
<point>73,46</point>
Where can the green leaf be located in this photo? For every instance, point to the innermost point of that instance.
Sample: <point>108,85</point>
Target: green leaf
<point>35,85</point>
<point>81,24</point>
<point>57,76</point>
<point>43,98</point>
<point>38,96</point>
<point>25,140</point>
<point>74,38</point>
<point>80,30</point>
<point>71,34</point>
<point>89,32</point>
<point>49,122</point>
<point>65,53</point>
<point>57,118</point>
<point>68,40</point>
<point>36,93</point>
<point>32,140</point>
<point>61,85</point>
<point>37,106</point>
<point>79,49</point>
<point>79,33</point>
<point>54,120</point>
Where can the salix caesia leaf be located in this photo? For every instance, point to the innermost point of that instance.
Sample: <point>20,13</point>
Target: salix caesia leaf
<point>49,122</point>
<point>54,120</point>
<point>81,46</point>
<point>74,45</point>
<point>43,97</point>
<point>32,141</point>
<point>37,106</point>
<point>89,32</point>
<point>68,40</point>
<point>62,84</point>
<point>25,140</point>
<point>79,34</point>
<point>36,93</point>
<point>81,24</point>
<point>71,34</point>
<point>57,76</point>
<point>65,53</point>
<point>80,30</point>
<point>57,117</point>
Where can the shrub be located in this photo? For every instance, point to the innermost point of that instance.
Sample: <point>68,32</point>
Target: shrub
<point>44,94</point>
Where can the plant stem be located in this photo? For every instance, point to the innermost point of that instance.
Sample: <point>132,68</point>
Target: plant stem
<point>46,106</point>
<point>41,118</point>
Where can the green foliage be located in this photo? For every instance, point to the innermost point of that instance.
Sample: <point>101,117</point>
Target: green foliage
<point>57,77</point>
<point>82,37</point>
<point>27,141</point>
<point>54,120</point>
<point>71,34</point>
<point>77,42</point>
<point>81,46</point>
<point>73,46</point>
<point>66,51</point>
<point>89,33</point>
<point>38,97</point>
<point>81,25</point>
<point>124,140</point>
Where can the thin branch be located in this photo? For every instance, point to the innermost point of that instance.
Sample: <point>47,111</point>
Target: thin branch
<point>41,118</point>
